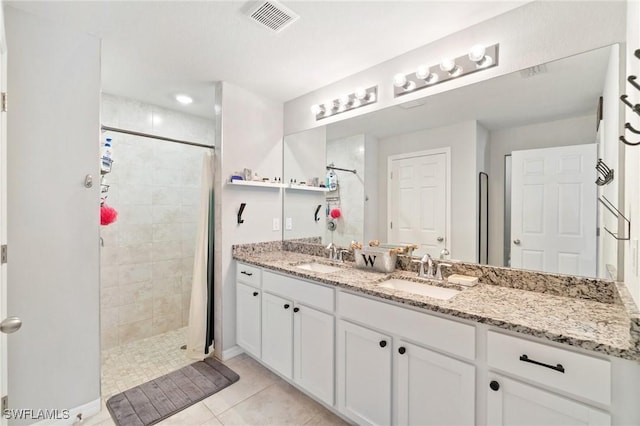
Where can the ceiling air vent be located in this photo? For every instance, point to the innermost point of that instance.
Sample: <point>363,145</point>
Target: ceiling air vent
<point>533,71</point>
<point>273,15</point>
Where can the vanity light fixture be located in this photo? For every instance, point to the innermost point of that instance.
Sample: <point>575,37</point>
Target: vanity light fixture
<point>479,58</point>
<point>347,102</point>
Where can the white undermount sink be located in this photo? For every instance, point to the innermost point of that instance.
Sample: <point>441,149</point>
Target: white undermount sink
<point>320,268</point>
<point>419,288</point>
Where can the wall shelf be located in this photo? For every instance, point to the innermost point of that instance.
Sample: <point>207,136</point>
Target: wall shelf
<point>306,188</point>
<point>255,183</point>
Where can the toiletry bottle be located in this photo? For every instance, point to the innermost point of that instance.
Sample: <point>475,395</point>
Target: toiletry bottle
<point>105,156</point>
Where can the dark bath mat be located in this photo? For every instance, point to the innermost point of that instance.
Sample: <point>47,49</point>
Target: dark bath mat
<point>160,398</point>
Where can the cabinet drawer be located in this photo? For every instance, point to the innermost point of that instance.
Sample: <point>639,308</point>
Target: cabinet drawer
<point>248,274</point>
<point>434,332</point>
<point>299,291</point>
<point>561,369</point>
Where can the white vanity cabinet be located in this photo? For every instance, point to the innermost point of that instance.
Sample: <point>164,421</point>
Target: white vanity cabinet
<point>298,332</point>
<point>563,374</point>
<point>394,361</point>
<point>248,309</point>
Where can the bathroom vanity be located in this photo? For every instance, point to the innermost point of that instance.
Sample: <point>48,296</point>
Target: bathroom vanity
<point>491,354</point>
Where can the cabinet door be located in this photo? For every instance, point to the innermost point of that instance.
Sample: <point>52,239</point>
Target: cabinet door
<point>433,389</point>
<point>514,403</point>
<point>277,333</point>
<point>248,318</point>
<point>313,353</point>
<point>364,374</point>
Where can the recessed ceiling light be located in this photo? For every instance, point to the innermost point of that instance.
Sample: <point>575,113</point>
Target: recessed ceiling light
<point>184,99</point>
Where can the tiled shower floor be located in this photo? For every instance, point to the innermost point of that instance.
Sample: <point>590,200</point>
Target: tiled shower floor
<point>259,397</point>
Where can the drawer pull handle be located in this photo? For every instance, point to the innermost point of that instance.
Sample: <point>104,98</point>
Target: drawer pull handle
<point>296,309</point>
<point>286,306</point>
<point>402,350</point>
<point>246,273</point>
<point>255,293</point>
<point>558,367</point>
<point>494,385</point>
<point>383,343</point>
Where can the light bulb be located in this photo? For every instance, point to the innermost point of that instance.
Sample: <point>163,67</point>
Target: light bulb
<point>184,99</point>
<point>345,100</point>
<point>422,72</point>
<point>399,80</point>
<point>328,107</point>
<point>361,93</point>
<point>477,53</point>
<point>449,66</point>
<point>316,109</point>
<point>372,95</point>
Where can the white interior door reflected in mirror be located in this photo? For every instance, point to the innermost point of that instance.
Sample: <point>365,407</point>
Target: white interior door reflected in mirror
<point>418,200</point>
<point>553,210</point>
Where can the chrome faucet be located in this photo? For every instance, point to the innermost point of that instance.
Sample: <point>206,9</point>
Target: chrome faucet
<point>333,251</point>
<point>439,270</point>
<point>429,261</point>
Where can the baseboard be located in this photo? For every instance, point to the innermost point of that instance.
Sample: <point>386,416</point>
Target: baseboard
<point>85,411</point>
<point>231,352</point>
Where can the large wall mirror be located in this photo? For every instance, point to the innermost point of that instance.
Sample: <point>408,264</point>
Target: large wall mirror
<point>500,172</point>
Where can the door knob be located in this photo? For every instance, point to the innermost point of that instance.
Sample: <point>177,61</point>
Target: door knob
<point>440,239</point>
<point>10,325</point>
<point>516,242</point>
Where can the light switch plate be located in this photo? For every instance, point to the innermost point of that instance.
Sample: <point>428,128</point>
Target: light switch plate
<point>289,224</point>
<point>276,224</point>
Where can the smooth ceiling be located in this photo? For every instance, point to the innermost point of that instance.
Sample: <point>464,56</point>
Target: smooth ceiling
<point>153,50</point>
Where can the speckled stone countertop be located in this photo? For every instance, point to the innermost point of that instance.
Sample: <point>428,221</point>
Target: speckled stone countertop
<point>610,327</point>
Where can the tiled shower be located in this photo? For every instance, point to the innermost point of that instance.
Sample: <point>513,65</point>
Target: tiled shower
<point>147,254</point>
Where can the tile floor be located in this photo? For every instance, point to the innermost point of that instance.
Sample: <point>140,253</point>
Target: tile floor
<point>258,398</point>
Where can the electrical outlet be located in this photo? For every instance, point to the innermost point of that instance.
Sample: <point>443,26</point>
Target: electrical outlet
<point>289,224</point>
<point>276,224</point>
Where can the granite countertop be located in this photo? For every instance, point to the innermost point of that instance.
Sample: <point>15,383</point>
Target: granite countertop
<point>589,324</point>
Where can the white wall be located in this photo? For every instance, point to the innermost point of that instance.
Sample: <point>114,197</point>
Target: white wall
<point>632,155</point>
<point>535,33</point>
<point>461,138</point>
<point>251,138</point>
<point>304,157</point>
<point>572,131</point>
<point>146,266</point>
<point>53,220</point>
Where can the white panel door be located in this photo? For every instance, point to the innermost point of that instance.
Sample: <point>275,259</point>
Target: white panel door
<point>418,202</point>
<point>553,210</point>
<point>248,304</point>
<point>364,374</point>
<point>433,389</point>
<point>277,333</point>
<point>518,404</point>
<point>313,355</point>
<point>3,210</point>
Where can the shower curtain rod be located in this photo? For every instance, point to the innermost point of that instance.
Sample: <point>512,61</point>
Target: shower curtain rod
<point>147,135</point>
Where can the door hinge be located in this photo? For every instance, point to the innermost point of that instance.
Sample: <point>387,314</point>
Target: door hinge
<point>391,225</point>
<point>3,254</point>
<point>4,101</point>
<point>4,403</point>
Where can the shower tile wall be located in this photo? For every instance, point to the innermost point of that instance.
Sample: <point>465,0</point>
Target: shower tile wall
<point>147,257</point>
<point>348,153</point>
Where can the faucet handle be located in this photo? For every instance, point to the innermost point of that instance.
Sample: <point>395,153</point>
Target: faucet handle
<point>341,254</point>
<point>439,270</point>
<point>421,270</point>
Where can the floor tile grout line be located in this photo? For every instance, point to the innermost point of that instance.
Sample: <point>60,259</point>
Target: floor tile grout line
<point>248,397</point>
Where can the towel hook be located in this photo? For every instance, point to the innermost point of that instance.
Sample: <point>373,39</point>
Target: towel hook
<point>637,53</point>
<point>242,206</point>
<point>630,127</point>
<point>635,108</point>
<point>626,142</point>
<point>632,79</point>
<point>315,215</point>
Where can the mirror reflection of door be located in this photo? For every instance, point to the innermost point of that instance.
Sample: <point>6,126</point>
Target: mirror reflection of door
<point>553,210</point>
<point>418,200</point>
